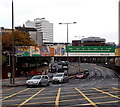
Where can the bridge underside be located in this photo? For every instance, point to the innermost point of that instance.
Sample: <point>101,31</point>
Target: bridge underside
<point>86,59</point>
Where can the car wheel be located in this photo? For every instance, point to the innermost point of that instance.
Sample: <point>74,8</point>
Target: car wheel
<point>28,86</point>
<point>63,81</point>
<point>48,84</point>
<point>68,80</point>
<point>39,84</point>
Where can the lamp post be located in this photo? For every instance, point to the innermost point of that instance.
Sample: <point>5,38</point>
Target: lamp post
<point>79,36</point>
<point>67,37</point>
<point>119,23</point>
<point>79,56</point>
<point>13,51</point>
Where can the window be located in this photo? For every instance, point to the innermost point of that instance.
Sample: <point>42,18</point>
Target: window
<point>46,77</point>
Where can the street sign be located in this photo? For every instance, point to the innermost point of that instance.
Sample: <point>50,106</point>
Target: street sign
<point>9,74</point>
<point>90,49</point>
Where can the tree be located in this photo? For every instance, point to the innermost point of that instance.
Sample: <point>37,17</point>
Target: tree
<point>20,39</point>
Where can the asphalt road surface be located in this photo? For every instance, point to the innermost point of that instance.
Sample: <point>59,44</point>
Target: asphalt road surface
<point>99,89</point>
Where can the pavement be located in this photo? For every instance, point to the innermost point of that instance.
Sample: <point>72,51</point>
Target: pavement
<point>19,81</point>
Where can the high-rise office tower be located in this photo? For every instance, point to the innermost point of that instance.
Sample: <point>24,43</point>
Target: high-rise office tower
<point>43,26</point>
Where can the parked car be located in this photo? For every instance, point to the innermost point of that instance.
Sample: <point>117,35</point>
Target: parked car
<point>60,77</point>
<point>80,75</point>
<point>38,80</point>
<point>33,73</point>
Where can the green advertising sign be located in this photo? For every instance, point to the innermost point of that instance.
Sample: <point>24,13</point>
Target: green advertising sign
<point>90,49</point>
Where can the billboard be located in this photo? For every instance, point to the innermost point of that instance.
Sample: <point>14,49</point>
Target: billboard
<point>59,50</point>
<point>35,51</point>
<point>22,50</point>
<point>63,50</point>
<point>44,51</point>
<point>117,51</point>
<point>90,50</point>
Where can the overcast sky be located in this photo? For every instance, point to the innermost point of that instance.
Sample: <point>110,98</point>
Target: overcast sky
<point>98,18</point>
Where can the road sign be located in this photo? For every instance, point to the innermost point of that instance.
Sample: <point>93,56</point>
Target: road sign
<point>90,49</point>
<point>9,74</point>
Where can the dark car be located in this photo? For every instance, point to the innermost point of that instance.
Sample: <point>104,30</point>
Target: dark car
<point>60,68</point>
<point>64,63</point>
<point>65,67</point>
<point>86,71</point>
<point>53,69</point>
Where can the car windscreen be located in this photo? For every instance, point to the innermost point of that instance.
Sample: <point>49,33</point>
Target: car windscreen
<point>80,73</point>
<point>36,77</point>
<point>58,75</point>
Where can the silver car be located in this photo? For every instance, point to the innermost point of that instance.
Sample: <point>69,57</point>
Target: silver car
<point>60,77</point>
<point>38,80</point>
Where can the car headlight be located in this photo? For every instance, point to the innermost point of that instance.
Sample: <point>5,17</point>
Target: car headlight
<point>37,81</point>
<point>61,80</point>
<point>27,81</point>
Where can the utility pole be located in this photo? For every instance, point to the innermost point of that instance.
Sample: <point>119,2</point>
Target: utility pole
<point>119,23</point>
<point>13,46</point>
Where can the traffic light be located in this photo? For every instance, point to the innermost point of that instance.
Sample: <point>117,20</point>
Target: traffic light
<point>8,59</point>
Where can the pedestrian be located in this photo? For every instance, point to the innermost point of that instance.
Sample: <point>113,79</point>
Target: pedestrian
<point>26,74</point>
<point>22,73</point>
<point>43,71</point>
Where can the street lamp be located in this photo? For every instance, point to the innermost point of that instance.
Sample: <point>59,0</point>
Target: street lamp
<point>67,37</point>
<point>119,23</point>
<point>79,36</point>
<point>13,50</point>
<point>79,56</point>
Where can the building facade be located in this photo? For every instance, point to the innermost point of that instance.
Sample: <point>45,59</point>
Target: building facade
<point>43,26</point>
<point>92,41</point>
<point>34,34</point>
<point>5,30</point>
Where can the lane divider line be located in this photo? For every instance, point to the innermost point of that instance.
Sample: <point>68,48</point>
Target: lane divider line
<point>12,100</point>
<point>92,103</point>
<point>57,98</point>
<point>15,94</point>
<point>30,97</point>
<point>107,93</point>
<point>38,103</point>
<point>77,105</point>
<point>115,88</point>
<point>117,101</point>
